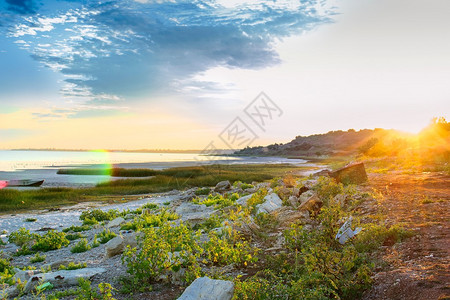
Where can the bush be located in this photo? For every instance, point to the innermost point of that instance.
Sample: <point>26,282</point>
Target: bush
<point>163,249</point>
<point>37,258</point>
<point>77,228</point>
<point>20,237</point>
<point>81,246</point>
<point>202,191</point>
<point>73,266</point>
<point>228,249</point>
<point>218,201</point>
<point>105,236</point>
<point>74,236</point>
<point>90,222</point>
<point>52,240</point>
<point>99,215</point>
<point>150,206</point>
<point>150,220</point>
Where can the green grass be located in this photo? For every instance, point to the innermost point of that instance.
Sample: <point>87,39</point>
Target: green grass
<point>163,181</point>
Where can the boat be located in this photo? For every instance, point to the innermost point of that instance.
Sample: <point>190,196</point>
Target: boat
<point>24,183</point>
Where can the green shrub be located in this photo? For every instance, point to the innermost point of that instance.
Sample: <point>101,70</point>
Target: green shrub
<point>77,228</point>
<point>90,222</point>
<point>73,266</point>
<point>212,222</point>
<point>218,201</point>
<point>95,243</point>
<point>81,246</point>
<point>202,191</point>
<point>30,220</point>
<point>51,240</point>
<point>163,249</point>
<point>150,206</point>
<point>74,236</point>
<point>150,220</point>
<point>99,215</point>
<point>37,258</point>
<point>87,292</point>
<point>6,272</point>
<point>20,237</point>
<point>229,248</point>
<point>105,236</point>
<point>327,188</point>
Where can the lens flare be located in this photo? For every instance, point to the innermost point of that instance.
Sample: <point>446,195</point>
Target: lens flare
<point>103,159</point>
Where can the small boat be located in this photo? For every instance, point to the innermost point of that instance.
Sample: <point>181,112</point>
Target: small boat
<point>24,183</point>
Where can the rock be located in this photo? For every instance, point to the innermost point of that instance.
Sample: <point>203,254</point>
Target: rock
<point>313,205</point>
<point>198,217</point>
<point>271,203</point>
<point>293,201</point>
<point>324,172</point>
<point>114,246</point>
<point>189,207</point>
<point>116,222</point>
<point>284,192</point>
<point>62,278</point>
<point>10,292</point>
<point>286,216</point>
<point>353,173</point>
<point>24,275</point>
<point>310,183</point>
<point>222,186</point>
<point>204,288</point>
<point>243,200</point>
<point>305,196</point>
<point>187,196</point>
<point>118,244</point>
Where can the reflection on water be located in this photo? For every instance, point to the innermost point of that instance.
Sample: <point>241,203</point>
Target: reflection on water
<point>38,165</point>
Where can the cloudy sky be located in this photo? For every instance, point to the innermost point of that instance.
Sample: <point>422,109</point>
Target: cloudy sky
<point>135,74</point>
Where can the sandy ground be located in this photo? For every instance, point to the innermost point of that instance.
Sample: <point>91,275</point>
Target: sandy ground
<point>418,268</point>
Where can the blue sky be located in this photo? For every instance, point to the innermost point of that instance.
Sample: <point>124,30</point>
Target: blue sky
<point>173,74</point>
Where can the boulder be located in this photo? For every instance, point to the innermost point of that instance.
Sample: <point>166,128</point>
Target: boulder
<point>353,173</point>
<point>293,201</point>
<point>312,205</point>
<point>24,275</point>
<point>287,215</point>
<point>62,278</point>
<point>118,244</point>
<point>271,203</point>
<point>284,192</point>
<point>189,207</point>
<point>116,222</point>
<point>305,196</point>
<point>114,246</point>
<point>243,200</point>
<point>222,186</point>
<point>204,288</point>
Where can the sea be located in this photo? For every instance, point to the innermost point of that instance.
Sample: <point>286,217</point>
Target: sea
<point>43,165</point>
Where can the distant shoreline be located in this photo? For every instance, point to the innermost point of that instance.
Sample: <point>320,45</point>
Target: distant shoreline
<point>224,151</point>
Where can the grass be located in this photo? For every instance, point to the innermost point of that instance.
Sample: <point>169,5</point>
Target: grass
<point>163,181</point>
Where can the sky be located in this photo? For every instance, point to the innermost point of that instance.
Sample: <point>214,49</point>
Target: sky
<point>175,74</point>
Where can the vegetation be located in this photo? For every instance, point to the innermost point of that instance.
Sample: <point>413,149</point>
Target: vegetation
<point>72,266</point>
<point>164,180</point>
<point>105,236</point>
<point>81,246</point>
<point>32,242</point>
<point>37,258</point>
<point>218,200</point>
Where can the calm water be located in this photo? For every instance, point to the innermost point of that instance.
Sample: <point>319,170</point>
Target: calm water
<point>38,165</point>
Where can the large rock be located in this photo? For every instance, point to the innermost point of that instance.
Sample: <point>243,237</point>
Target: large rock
<point>189,207</point>
<point>56,264</point>
<point>116,222</point>
<point>306,195</point>
<point>222,186</point>
<point>271,203</point>
<point>353,173</point>
<point>204,288</point>
<point>243,200</point>
<point>24,275</point>
<point>118,244</point>
<point>312,205</point>
<point>62,278</point>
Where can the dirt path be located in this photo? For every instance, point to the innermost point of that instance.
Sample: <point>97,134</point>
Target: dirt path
<point>418,268</point>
